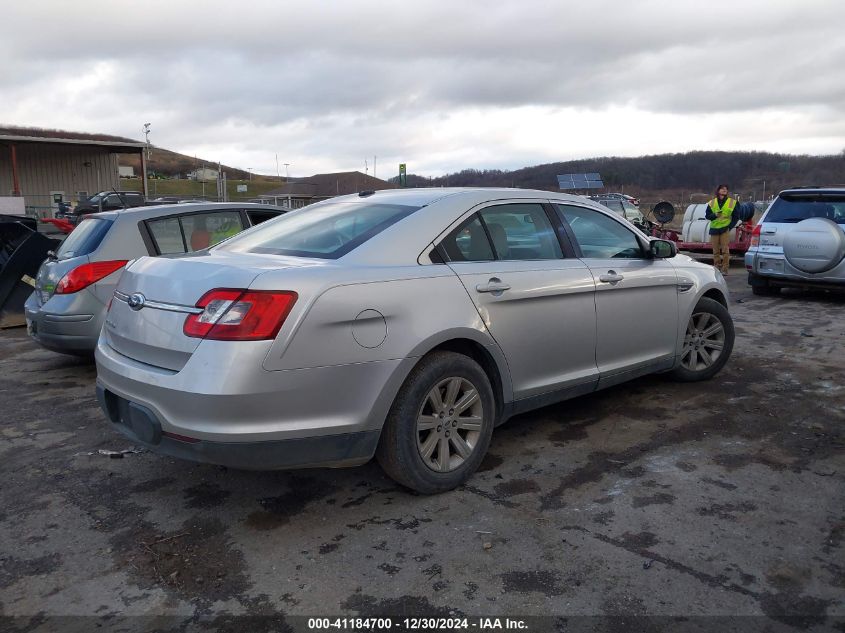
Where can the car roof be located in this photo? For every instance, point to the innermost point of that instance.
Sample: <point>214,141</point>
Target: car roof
<point>428,195</point>
<point>811,190</point>
<point>154,211</point>
<point>401,243</point>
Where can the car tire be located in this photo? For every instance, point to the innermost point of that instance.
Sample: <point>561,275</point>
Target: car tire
<point>762,287</point>
<point>428,444</point>
<point>708,342</point>
<point>765,290</point>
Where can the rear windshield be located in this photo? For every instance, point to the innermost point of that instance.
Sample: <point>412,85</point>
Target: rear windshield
<point>84,239</point>
<point>326,231</point>
<point>796,207</point>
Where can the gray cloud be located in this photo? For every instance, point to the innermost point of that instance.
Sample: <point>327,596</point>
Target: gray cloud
<point>333,78</point>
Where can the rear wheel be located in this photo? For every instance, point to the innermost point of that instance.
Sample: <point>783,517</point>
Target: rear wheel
<point>439,427</point>
<point>766,290</point>
<point>762,287</point>
<point>708,342</point>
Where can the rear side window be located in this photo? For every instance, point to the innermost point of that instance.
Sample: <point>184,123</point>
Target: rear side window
<point>325,231</point>
<point>791,208</point>
<point>167,235</point>
<point>84,239</point>
<point>469,243</point>
<point>521,231</point>
<point>194,232</point>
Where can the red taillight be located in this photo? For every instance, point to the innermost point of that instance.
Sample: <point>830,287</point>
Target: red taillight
<point>87,274</point>
<point>240,315</point>
<point>755,236</point>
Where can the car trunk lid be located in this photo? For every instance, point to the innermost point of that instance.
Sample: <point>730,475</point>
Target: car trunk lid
<point>156,295</point>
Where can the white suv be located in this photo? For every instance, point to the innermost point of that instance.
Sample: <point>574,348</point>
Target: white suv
<point>799,241</point>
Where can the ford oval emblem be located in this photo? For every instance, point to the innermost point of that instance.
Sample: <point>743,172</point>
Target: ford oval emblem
<point>136,301</point>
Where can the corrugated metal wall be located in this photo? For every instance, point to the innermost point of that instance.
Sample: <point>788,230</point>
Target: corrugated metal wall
<point>68,168</point>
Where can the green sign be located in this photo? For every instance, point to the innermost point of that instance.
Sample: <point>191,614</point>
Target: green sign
<point>403,175</point>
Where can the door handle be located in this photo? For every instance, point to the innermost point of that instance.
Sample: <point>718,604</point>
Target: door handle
<point>494,285</point>
<point>611,277</point>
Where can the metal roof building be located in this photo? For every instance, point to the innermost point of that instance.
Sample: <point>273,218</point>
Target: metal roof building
<point>40,164</point>
<point>303,191</point>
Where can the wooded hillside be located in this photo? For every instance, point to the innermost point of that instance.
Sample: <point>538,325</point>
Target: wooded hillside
<point>669,176</point>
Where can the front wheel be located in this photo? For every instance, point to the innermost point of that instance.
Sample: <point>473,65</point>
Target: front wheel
<point>708,342</point>
<point>439,427</point>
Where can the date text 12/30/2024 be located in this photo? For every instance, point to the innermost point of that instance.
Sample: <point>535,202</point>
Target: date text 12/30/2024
<point>416,624</point>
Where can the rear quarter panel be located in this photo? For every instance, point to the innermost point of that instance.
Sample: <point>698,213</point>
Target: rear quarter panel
<point>366,320</point>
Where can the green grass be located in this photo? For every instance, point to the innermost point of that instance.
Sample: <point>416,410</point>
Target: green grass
<point>193,188</point>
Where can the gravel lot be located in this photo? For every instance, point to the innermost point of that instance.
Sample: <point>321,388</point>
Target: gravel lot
<point>652,498</point>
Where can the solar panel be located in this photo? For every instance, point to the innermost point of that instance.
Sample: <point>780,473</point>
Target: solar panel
<point>580,181</point>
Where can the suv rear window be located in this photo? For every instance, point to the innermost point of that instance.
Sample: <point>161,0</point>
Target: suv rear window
<point>790,208</point>
<point>84,239</point>
<point>325,231</point>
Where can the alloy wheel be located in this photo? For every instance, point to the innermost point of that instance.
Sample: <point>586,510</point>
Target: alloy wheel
<point>449,424</point>
<point>704,341</point>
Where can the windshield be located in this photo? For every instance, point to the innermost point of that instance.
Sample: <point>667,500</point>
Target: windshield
<point>96,197</point>
<point>790,208</point>
<point>84,239</point>
<point>328,231</point>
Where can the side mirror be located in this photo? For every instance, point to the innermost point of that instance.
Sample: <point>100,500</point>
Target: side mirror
<point>662,249</point>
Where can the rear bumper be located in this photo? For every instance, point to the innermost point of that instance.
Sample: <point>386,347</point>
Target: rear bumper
<point>65,333</point>
<point>773,267</point>
<point>142,426</point>
<point>237,414</point>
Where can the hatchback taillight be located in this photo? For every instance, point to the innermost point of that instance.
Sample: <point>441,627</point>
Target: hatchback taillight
<point>231,314</point>
<point>83,276</point>
<point>755,236</point>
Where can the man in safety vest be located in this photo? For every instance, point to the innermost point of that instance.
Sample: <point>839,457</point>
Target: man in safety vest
<point>720,212</point>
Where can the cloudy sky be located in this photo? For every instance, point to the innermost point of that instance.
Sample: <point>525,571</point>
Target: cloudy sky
<point>440,85</point>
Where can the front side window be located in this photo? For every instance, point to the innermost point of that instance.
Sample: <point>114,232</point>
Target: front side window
<point>614,205</point>
<point>327,231</point>
<point>599,236</point>
<point>521,232</point>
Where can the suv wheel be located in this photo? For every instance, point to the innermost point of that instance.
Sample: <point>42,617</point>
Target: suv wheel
<point>761,286</point>
<point>439,427</point>
<point>708,342</point>
<point>765,290</point>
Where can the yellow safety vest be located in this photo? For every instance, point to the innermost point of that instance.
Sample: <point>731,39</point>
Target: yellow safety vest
<point>723,215</point>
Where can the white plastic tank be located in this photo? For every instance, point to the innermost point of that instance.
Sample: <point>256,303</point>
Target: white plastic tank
<point>696,227</point>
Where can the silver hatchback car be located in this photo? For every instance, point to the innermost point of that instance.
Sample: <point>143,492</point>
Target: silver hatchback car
<point>404,324</point>
<point>72,289</point>
<point>799,241</point>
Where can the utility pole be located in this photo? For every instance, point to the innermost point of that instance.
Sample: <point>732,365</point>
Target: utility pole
<point>249,169</point>
<point>286,171</point>
<point>147,138</point>
<point>374,166</point>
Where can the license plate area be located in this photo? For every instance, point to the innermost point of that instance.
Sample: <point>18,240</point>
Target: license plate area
<point>768,265</point>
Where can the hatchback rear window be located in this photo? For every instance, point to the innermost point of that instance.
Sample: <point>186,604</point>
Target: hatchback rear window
<point>84,239</point>
<point>790,208</point>
<point>325,231</point>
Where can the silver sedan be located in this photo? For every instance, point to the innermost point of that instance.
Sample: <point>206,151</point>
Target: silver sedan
<point>401,324</point>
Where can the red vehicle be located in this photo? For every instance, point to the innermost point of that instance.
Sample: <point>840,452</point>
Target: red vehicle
<point>694,235</point>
